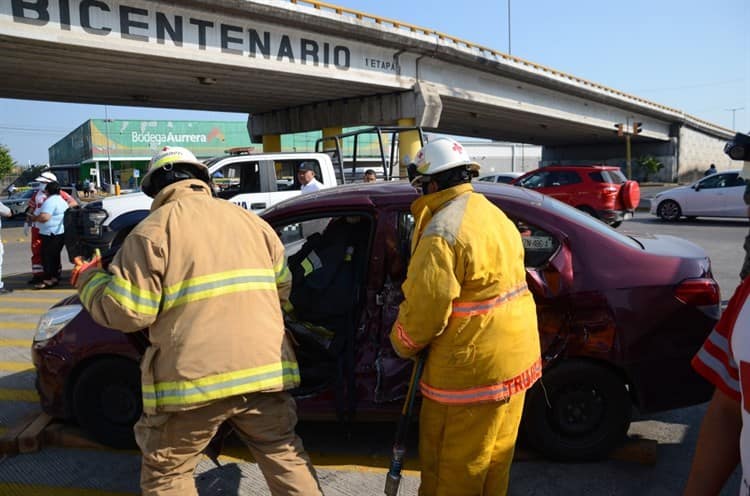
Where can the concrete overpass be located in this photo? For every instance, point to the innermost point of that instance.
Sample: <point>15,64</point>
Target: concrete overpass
<point>299,66</point>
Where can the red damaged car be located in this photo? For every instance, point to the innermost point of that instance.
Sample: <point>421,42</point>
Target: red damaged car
<point>619,319</point>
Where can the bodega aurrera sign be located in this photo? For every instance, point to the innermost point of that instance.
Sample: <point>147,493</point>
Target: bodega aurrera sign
<point>169,27</point>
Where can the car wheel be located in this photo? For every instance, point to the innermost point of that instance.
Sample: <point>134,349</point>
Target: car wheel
<point>669,210</point>
<point>578,411</point>
<point>107,401</point>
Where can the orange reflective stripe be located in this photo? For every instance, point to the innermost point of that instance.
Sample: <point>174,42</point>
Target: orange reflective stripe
<point>483,394</point>
<point>405,339</point>
<point>469,308</point>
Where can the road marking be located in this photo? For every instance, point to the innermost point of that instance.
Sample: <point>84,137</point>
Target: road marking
<point>15,366</point>
<point>22,311</point>
<point>19,395</point>
<point>20,343</point>
<point>29,299</point>
<point>344,462</point>
<point>18,489</point>
<point>9,324</point>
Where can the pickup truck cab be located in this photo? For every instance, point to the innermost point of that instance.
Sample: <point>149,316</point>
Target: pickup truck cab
<point>252,181</point>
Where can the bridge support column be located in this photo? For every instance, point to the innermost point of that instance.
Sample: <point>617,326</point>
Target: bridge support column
<point>408,145</point>
<point>330,131</point>
<point>271,143</point>
<point>422,105</point>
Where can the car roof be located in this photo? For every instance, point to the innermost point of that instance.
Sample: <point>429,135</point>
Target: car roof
<point>366,196</point>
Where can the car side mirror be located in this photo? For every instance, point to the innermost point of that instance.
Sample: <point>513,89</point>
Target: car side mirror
<point>697,186</point>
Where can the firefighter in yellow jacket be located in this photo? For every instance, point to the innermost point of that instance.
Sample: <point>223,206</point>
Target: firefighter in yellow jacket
<point>208,280</point>
<point>467,306</point>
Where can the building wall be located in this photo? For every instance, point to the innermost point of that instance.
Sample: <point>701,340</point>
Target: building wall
<point>697,152</point>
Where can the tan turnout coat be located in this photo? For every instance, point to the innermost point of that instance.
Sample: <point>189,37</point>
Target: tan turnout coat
<point>207,279</point>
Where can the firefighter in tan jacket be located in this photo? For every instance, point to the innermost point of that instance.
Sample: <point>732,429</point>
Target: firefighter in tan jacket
<point>466,301</point>
<point>207,279</point>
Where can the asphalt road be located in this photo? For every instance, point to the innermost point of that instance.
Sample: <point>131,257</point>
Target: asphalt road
<point>349,462</point>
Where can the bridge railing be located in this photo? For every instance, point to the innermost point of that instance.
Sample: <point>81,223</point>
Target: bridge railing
<point>384,21</point>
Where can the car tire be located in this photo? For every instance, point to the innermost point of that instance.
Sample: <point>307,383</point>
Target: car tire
<point>669,210</point>
<point>107,401</point>
<point>578,411</point>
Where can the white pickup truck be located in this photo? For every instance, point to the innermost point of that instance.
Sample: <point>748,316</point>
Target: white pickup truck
<point>252,181</point>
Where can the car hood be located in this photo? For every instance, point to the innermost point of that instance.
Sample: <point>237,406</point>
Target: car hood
<point>678,190</point>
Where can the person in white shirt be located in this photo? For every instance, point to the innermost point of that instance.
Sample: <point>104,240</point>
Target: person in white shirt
<point>4,212</point>
<point>306,177</point>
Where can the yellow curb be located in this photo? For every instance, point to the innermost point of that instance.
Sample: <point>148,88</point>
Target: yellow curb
<point>22,311</point>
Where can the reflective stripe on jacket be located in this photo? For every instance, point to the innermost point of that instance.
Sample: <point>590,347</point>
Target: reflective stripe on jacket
<point>466,298</point>
<point>208,279</point>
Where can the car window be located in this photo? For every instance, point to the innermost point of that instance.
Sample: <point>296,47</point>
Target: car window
<point>539,245</point>
<point>735,180</point>
<point>286,173</point>
<point>488,179</point>
<point>294,235</point>
<point>237,178</point>
<point>714,181</point>
<point>534,181</point>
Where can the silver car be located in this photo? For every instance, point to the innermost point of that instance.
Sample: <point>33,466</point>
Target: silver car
<point>19,201</point>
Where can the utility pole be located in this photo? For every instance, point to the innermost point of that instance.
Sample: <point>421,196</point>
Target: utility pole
<point>734,111</point>
<point>109,158</point>
<point>628,129</point>
<point>509,52</point>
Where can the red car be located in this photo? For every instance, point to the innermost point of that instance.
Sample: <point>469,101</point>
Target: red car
<point>619,318</point>
<point>601,191</point>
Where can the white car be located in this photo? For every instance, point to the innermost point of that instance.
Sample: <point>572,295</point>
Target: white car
<point>501,177</point>
<point>717,195</point>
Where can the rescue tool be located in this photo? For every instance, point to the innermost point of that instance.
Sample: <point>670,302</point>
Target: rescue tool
<point>393,479</point>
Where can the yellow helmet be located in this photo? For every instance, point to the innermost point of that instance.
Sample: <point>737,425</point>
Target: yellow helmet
<point>166,158</point>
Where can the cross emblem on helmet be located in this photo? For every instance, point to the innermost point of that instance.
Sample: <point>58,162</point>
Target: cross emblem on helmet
<point>457,148</point>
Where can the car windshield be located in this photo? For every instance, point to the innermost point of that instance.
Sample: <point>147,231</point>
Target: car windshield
<point>25,195</point>
<point>582,218</point>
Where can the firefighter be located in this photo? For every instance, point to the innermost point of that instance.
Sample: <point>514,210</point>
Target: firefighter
<point>466,304</point>
<point>35,204</point>
<point>207,279</point>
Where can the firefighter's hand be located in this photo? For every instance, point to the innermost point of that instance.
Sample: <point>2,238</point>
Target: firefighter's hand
<point>82,266</point>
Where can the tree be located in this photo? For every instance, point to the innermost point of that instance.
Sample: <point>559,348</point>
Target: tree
<point>650,165</point>
<point>6,161</point>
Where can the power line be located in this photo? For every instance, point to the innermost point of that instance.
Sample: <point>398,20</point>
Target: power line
<point>34,129</point>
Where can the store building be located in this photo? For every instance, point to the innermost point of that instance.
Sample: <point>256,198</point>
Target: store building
<point>105,151</point>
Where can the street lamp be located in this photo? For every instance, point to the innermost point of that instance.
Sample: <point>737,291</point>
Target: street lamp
<point>734,111</point>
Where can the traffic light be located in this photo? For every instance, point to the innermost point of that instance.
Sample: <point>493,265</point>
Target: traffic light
<point>620,129</point>
<point>637,127</point>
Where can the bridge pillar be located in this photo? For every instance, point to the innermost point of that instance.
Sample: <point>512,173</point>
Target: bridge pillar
<point>408,144</point>
<point>422,104</point>
<point>330,131</point>
<point>271,143</point>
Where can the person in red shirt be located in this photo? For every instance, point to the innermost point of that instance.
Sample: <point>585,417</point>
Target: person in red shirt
<point>35,203</point>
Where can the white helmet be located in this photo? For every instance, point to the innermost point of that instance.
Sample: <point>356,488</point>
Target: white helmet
<point>441,155</point>
<point>46,177</point>
<point>166,158</point>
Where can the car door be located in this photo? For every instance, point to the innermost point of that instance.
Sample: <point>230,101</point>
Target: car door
<point>706,197</point>
<point>733,191</point>
<point>240,182</point>
<point>560,184</point>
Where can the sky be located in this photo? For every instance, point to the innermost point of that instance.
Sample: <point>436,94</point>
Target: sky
<point>692,55</point>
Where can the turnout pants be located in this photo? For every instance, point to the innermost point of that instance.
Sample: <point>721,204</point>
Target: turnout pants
<point>467,449</point>
<point>172,443</point>
<point>37,269</point>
